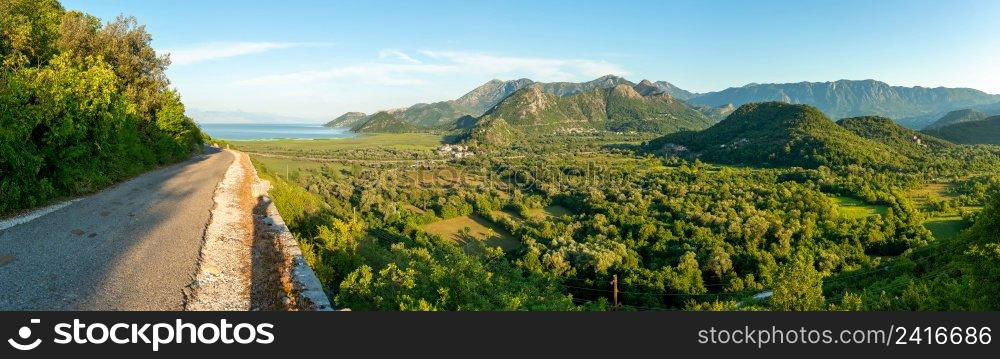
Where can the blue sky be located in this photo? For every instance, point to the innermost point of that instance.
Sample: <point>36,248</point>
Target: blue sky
<point>317,59</point>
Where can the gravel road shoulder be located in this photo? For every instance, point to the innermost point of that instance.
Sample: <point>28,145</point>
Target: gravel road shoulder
<point>222,282</point>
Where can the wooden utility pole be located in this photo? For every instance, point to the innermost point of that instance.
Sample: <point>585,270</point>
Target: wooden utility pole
<point>614,283</point>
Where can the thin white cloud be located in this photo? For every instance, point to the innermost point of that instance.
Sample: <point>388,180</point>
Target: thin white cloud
<point>392,53</point>
<point>378,73</point>
<point>219,50</point>
<point>413,71</point>
<point>545,69</point>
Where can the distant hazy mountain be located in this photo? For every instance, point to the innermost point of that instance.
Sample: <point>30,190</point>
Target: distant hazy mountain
<point>959,116</point>
<point>346,120</point>
<point>971,133</point>
<point>202,116</point>
<point>847,98</point>
<point>533,110</point>
<point>926,121</point>
<point>992,109</point>
<point>716,113</point>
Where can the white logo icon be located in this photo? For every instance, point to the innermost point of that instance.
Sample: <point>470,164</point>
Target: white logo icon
<point>25,333</point>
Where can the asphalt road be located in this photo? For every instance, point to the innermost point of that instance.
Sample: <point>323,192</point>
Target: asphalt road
<point>133,246</point>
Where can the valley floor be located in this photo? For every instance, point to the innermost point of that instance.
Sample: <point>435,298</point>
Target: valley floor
<point>566,212</point>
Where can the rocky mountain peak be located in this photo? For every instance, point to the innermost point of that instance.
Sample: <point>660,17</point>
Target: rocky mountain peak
<point>626,91</point>
<point>608,81</point>
<point>489,94</point>
<point>647,88</point>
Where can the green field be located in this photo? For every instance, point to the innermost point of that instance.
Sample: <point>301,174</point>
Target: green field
<point>399,141</point>
<point>281,165</point>
<point>854,208</point>
<point>946,227</point>
<point>942,226</point>
<point>479,228</point>
<point>931,192</point>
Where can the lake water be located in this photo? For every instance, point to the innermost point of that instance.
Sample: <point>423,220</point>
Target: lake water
<point>257,132</point>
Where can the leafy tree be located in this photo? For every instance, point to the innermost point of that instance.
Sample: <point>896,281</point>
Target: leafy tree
<point>799,287</point>
<point>719,262</point>
<point>28,32</point>
<point>686,276</point>
<point>126,46</point>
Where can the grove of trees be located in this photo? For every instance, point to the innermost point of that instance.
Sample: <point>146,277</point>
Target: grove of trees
<point>83,104</point>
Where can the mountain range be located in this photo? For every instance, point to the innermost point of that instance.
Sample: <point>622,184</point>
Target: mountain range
<point>476,102</point>
<point>845,98</point>
<point>913,107</point>
<point>621,108</point>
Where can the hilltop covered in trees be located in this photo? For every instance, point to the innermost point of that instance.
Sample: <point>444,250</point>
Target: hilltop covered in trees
<point>887,132</point>
<point>383,122</point>
<point>779,134</point>
<point>83,104</point>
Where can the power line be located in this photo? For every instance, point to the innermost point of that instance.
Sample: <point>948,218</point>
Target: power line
<point>883,268</point>
<point>659,294</point>
<point>897,285</point>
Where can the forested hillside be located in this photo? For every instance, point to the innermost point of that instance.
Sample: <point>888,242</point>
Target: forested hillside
<point>971,133</point>
<point>779,134</point>
<point>383,122</point>
<point>83,104</point>
<point>883,130</point>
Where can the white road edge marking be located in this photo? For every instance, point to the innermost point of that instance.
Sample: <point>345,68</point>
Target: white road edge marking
<point>25,218</point>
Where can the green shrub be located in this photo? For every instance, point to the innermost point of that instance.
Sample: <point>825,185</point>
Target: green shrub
<point>72,123</point>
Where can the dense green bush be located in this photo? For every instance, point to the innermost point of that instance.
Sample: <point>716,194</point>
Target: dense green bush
<point>78,112</point>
